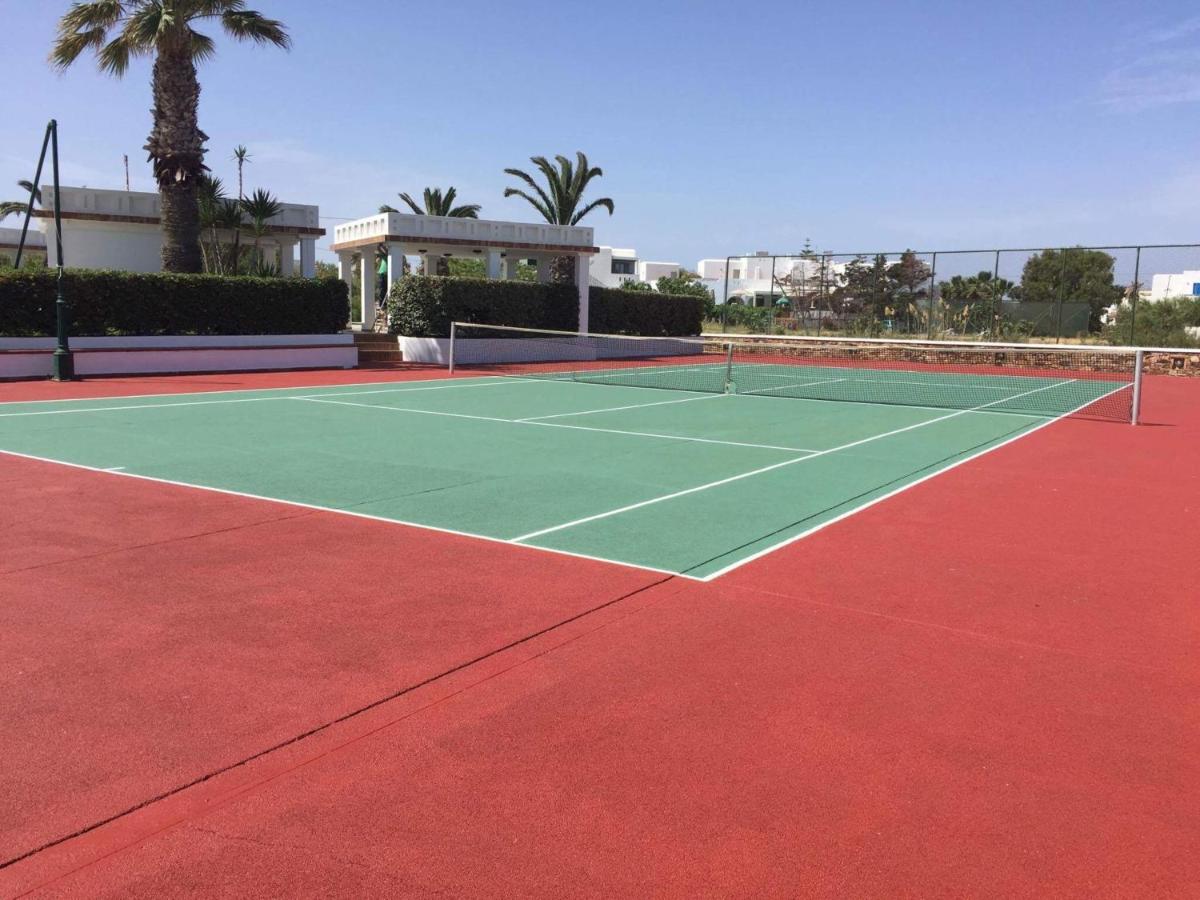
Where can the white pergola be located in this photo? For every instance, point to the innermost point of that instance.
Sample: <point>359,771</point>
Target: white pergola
<point>501,245</point>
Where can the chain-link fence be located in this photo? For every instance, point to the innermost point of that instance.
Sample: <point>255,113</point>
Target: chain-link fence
<point>1147,295</point>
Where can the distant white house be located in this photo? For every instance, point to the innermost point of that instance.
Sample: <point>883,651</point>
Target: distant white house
<point>613,266</point>
<point>756,280</point>
<point>1180,284</point>
<point>35,244</point>
<point>122,230</point>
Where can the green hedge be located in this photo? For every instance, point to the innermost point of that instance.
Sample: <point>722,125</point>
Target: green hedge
<point>424,306</point>
<point>614,311</point>
<point>133,303</point>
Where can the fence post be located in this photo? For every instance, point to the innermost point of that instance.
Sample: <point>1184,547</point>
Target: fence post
<point>1133,301</point>
<point>932,292</point>
<point>1062,286</point>
<point>997,299</point>
<point>453,328</point>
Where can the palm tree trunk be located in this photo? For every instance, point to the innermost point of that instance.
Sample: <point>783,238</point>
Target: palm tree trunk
<point>176,147</point>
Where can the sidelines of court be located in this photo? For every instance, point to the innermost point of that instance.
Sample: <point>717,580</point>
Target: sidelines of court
<point>520,541</point>
<point>770,468</point>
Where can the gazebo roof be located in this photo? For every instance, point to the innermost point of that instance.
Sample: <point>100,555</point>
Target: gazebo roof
<point>428,234</point>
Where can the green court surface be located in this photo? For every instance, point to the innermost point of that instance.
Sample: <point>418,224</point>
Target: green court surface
<point>683,482</point>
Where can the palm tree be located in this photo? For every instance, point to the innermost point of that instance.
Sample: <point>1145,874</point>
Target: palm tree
<point>437,204</point>
<point>559,203</point>
<point>119,30</point>
<point>241,156</point>
<point>210,194</point>
<point>20,207</point>
<point>260,206</point>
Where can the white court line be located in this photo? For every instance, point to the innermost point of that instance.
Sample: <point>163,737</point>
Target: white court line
<point>589,412</point>
<point>770,468</point>
<point>346,512</point>
<point>904,487</point>
<point>90,409</point>
<point>649,434</point>
<point>797,384</point>
<point>959,385</point>
<point>298,387</point>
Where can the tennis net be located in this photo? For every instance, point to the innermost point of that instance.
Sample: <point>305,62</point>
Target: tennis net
<point>1021,379</point>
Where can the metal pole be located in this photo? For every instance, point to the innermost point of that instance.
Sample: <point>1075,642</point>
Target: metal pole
<point>37,184</point>
<point>932,291</point>
<point>728,366</point>
<point>771,301</point>
<point>821,283</point>
<point>725,300</point>
<point>996,299</point>
<point>453,326</point>
<point>1138,361</point>
<point>64,360</point>
<point>1062,286</point>
<point>1133,301</point>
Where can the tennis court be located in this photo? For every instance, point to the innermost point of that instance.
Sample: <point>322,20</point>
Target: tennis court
<point>691,465</point>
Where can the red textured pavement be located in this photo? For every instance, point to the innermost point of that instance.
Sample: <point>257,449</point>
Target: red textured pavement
<point>984,686</point>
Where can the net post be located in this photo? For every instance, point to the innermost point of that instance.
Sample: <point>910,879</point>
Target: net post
<point>453,328</point>
<point>728,366</point>
<point>1138,360</point>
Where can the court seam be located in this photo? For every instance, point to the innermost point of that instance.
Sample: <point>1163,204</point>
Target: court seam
<point>857,509</point>
<point>589,412</point>
<point>343,512</point>
<point>779,465</point>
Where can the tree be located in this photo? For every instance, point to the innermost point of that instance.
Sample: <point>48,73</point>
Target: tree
<point>973,303</point>
<point>120,30</point>
<point>241,156</point>
<point>559,203</point>
<point>1072,275</point>
<point>20,207</point>
<point>439,204</point>
<point>685,283</point>
<point>261,207</point>
<point>909,277</point>
<point>637,286</point>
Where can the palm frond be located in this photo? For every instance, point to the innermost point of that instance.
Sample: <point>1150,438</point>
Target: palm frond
<point>545,207</point>
<point>27,186</point>
<point>466,211</point>
<point>539,205</point>
<point>12,208</point>
<point>603,201</point>
<point>248,25</point>
<point>201,45</point>
<point>412,204</point>
<point>388,209</point>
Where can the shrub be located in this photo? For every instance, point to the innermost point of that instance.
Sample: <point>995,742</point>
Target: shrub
<point>1162,323</point>
<point>616,311</point>
<point>134,303</point>
<point>425,305</point>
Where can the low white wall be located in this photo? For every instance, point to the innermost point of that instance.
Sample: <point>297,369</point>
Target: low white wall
<point>470,351</point>
<point>32,357</point>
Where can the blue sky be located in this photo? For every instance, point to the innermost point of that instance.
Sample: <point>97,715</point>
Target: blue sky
<point>721,128</point>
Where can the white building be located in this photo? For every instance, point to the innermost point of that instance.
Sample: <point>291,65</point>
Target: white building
<point>10,238</point>
<point>122,230</point>
<point>760,280</point>
<point>1181,284</point>
<point>612,267</point>
<point>501,245</point>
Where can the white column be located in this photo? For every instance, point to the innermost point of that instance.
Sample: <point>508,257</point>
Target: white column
<point>512,262</point>
<point>581,282</point>
<point>429,262</point>
<point>367,294</point>
<point>395,260</point>
<point>493,263</point>
<point>287,258</point>
<point>346,269</point>
<point>543,267</point>
<point>308,257</point>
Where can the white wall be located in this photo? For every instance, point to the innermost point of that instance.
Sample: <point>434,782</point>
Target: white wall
<point>650,272</point>
<point>1181,284</point>
<point>600,271</point>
